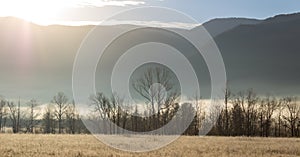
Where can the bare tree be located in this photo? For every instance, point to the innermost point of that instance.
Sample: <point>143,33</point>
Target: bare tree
<point>237,120</point>
<point>125,112</point>
<point>32,104</point>
<point>117,105</point>
<point>245,103</point>
<point>200,114</point>
<point>226,102</point>
<point>61,103</point>
<point>267,108</point>
<point>238,113</point>
<point>2,112</point>
<point>156,87</point>
<point>49,120</point>
<point>280,109</point>
<point>102,107</point>
<point>250,112</point>
<point>222,124</point>
<point>71,116</point>
<point>13,116</point>
<point>293,112</point>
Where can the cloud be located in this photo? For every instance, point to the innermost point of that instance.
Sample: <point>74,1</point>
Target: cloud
<point>101,3</point>
<point>159,24</point>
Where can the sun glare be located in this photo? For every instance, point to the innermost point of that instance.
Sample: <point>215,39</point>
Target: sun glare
<point>37,11</point>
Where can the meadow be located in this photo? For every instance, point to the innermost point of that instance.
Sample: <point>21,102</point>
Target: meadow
<point>25,145</point>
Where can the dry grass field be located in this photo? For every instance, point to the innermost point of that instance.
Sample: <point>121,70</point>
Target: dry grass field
<point>21,145</point>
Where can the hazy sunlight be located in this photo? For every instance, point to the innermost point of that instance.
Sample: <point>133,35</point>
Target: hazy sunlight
<point>32,10</point>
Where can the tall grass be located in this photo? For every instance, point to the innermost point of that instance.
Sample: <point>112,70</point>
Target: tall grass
<point>23,145</point>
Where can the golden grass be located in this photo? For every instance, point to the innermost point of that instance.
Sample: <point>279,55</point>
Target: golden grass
<point>21,145</point>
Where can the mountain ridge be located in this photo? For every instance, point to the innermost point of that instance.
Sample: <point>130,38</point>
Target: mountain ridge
<point>257,54</point>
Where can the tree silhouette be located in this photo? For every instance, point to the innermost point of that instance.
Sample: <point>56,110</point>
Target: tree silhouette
<point>61,103</point>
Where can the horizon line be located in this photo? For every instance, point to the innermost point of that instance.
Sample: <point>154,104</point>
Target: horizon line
<point>78,23</point>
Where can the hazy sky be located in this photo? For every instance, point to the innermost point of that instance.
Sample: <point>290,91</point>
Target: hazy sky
<point>52,11</point>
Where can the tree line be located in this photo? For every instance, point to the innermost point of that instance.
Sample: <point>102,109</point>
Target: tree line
<point>241,114</point>
<point>59,116</point>
<point>246,114</point>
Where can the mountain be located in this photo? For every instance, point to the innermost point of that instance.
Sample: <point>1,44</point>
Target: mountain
<point>36,61</point>
<point>264,56</point>
<point>217,26</point>
<point>283,18</point>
